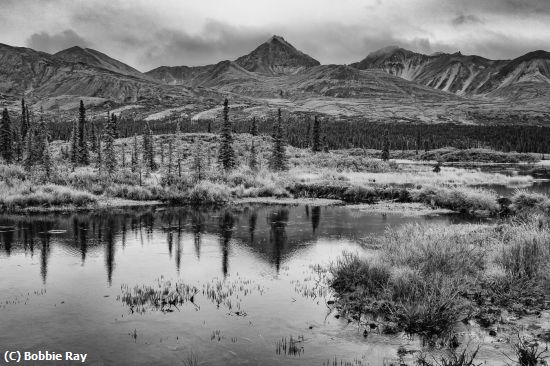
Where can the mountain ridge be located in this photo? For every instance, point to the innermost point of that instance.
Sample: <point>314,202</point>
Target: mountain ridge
<point>470,75</point>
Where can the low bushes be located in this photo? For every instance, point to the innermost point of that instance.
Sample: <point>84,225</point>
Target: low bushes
<point>522,200</point>
<point>460,199</point>
<point>449,154</point>
<point>426,277</point>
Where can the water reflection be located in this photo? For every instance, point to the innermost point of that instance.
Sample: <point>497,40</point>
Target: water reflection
<point>274,233</point>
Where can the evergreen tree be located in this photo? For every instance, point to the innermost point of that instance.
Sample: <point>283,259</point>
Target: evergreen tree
<point>99,158</point>
<point>385,155</point>
<point>40,135</point>
<point>47,158</point>
<point>279,159</point>
<point>135,156</point>
<point>226,154</point>
<point>24,121</point>
<point>83,156</point>
<point>253,162</point>
<point>170,155</point>
<point>123,153</point>
<point>198,163</point>
<point>6,138</point>
<point>28,155</point>
<point>109,149</point>
<point>115,126</point>
<point>149,149</point>
<point>254,128</point>
<point>316,143</point>
<point>18,146</point>
<point>93,136</point>
<point>74,144</point>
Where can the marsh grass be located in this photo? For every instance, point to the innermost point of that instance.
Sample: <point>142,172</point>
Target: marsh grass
<point>529,353</point>
<point>455,358</point>
<point>425,277</point>
<point>26,195</point>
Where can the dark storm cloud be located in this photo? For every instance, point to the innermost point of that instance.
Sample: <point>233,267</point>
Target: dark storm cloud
<point>147,34</point>
<point>52,43</point>
<point>217,41</point>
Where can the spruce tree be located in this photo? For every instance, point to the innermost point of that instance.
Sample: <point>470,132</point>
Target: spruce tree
<point>316,140</point>
<point>47,158</point>
<point>28,156</point>
<point>83,156</point>
<point>74,144</point>
<point>253,162</point>
<point>149,148</point>
<point>40,135</point>
<point>254,128</point>
<point>109,149</point>
<point>6,138</point>
<point>386,147</point>
<point>93,136</point>
<point>170,155</point>
<point>99,158</point>
<point>123,153</point>
<point>198,164</point>
<point>24,121</point>
<point>279,159</point>
<point>226,154</point>
<point>135,156</point>
<point>115,126</point>
<point>18,146</point>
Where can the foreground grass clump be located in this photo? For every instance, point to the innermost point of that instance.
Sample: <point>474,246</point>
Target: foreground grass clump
<point>426,278</point>
<point>49,195</point>
<point>460,199</point>
<point>522,201</point>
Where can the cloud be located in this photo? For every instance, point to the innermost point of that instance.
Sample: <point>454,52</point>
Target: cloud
<point>146,34</point>
<point>466,19</point>
<point>51,43</point>
<point>215,42</point>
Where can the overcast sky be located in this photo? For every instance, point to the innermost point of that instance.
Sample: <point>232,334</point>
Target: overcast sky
<point>147,34</point>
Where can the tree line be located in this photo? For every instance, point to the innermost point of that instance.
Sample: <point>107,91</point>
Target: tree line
<point>93,144</point>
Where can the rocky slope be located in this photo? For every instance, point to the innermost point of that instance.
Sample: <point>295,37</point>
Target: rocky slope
<point>79,72</point>
<point>465,75</point>
<point>95,58</point>
<point>276,57</point>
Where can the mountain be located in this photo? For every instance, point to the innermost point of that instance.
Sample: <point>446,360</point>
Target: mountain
<point>464,75</point>
<point>392,84</point>
<point>38,75</point>
<point>95,58</point>
<point>275,57</point>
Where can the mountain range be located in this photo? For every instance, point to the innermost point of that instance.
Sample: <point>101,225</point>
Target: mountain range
<point>391,84</point>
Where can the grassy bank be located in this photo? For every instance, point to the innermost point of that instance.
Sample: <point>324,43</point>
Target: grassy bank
<point>425,279</point>
<point>192,176</point>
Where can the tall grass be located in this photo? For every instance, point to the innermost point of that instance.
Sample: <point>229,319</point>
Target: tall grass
<point>45,196</point>
<point>426,276</point>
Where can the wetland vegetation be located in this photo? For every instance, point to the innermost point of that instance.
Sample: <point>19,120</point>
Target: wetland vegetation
<point>427,279</point>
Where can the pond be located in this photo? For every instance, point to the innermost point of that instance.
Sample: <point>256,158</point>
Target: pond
<point>66,281</point>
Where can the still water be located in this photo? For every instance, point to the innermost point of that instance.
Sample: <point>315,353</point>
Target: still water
<point>62,278</point>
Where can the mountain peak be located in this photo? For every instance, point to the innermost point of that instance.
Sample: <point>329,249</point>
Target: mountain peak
<point>276,38</point>
<point>276,56</point>
<point>95,58</point>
